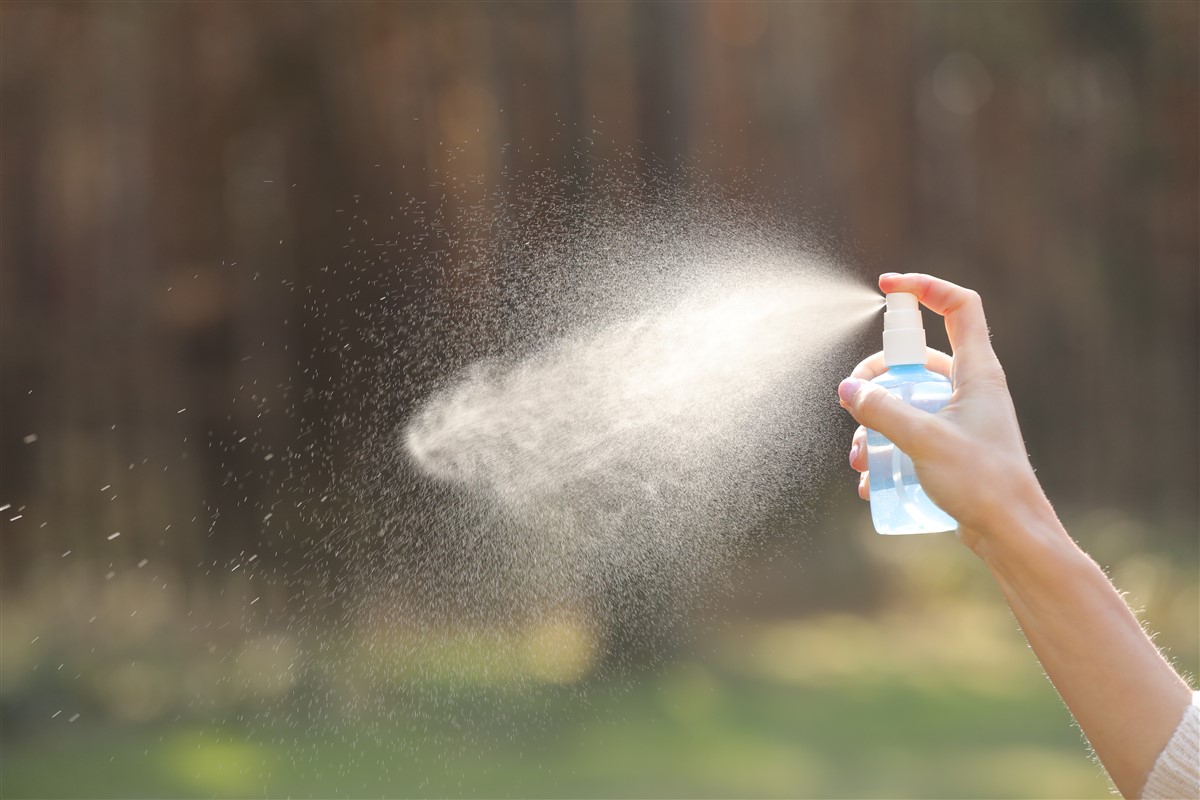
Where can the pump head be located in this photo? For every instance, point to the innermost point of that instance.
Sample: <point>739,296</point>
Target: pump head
<point>903,330</point>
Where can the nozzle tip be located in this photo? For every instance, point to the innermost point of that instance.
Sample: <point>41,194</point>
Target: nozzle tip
<point>901,301</point>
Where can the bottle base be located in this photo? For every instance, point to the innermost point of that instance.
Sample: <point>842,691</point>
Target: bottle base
<point>913,531</point>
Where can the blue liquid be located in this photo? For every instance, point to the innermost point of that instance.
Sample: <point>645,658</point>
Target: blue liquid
<point>898,502</point>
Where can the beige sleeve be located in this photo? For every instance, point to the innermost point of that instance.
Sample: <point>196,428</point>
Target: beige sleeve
<point>1176,773</point>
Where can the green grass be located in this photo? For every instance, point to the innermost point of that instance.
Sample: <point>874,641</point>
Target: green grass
<point>932,694</point>
<point>695,730</point>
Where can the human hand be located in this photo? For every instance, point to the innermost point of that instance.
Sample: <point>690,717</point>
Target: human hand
<point>970,456</point>
<point>971,460</point>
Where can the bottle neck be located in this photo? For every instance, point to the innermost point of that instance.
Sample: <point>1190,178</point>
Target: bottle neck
<point>903,345</point>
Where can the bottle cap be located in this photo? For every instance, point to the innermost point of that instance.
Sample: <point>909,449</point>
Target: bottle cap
<point>903,330</point>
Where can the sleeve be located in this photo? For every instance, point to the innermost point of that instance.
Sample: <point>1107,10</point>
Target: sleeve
<point>1176,773</point>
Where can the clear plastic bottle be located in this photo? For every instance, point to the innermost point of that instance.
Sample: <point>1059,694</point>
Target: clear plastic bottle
<point>899,503</point>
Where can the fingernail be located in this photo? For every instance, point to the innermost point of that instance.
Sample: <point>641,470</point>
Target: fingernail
<point>889,275</point>
<point>848,388</point>
<point>853,453</point>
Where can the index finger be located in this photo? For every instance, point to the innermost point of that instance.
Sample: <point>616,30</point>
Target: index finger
<point>962,309</point>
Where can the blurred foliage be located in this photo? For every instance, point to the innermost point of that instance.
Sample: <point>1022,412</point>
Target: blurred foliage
<point>1045,154</point>
<point>827,715</point>
<point>933,695</point>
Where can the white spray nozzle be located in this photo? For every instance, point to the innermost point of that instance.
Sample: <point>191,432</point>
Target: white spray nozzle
<point>903,330</point>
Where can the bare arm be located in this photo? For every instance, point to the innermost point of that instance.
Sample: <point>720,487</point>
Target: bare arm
<point>971,459</point>
<point>1124,695</point>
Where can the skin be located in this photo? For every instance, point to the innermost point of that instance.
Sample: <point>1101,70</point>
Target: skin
<point>971,459</point>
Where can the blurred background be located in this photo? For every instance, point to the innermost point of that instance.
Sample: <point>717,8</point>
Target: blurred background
<point>1044,154</point>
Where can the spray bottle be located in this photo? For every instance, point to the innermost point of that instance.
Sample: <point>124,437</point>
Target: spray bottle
<point>898,502</point>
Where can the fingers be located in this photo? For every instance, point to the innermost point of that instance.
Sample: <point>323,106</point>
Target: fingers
<point>911,429</point>
<point>872,366</point>
<point>858,460</point>
<point>963,310</point>
<point>858,450</point>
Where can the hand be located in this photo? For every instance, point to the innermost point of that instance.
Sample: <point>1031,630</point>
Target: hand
<point>971,460</point>
<point>970,456</point>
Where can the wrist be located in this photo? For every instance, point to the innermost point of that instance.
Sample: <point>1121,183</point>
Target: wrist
<point>1023,530</point>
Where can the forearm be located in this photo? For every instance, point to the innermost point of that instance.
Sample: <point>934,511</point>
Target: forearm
<point>1124,695</point>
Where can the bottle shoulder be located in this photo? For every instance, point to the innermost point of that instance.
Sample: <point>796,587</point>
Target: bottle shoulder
<point>902,374</point>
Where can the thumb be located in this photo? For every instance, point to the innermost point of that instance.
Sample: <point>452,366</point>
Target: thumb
<point>910,429</point>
